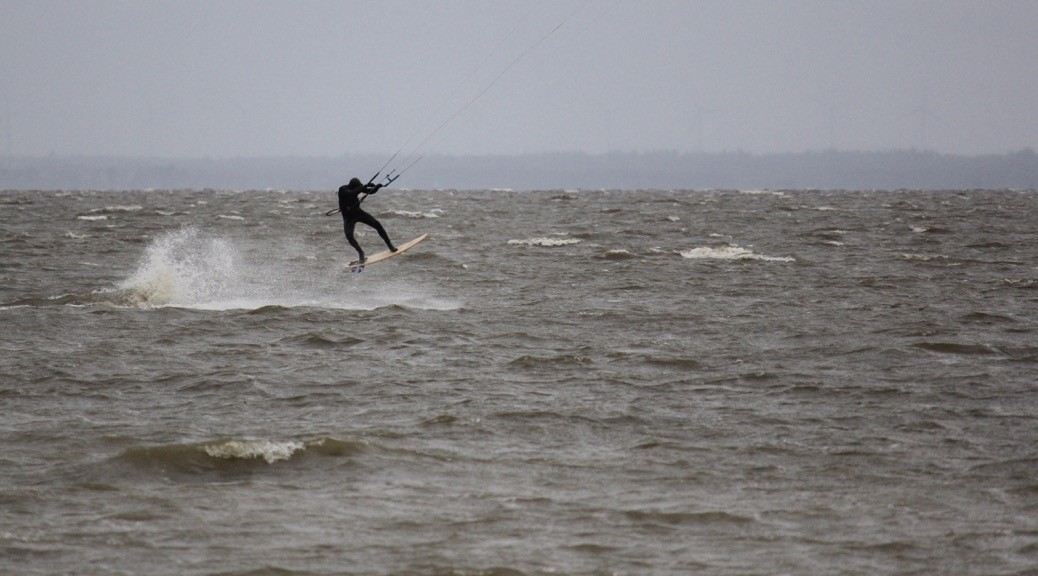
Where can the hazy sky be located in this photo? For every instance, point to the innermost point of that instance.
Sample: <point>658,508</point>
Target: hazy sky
<point>323,78</point>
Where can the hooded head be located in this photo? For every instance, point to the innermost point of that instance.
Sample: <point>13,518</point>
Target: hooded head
<point>354,184</point>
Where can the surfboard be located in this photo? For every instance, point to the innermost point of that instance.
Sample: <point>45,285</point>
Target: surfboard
<point>386,254</point>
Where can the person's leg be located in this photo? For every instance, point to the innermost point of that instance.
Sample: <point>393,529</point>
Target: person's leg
<point>347,228</point>
<point>371,221</point>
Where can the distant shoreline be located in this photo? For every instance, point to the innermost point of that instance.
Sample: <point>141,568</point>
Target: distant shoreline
<point>828,170</point>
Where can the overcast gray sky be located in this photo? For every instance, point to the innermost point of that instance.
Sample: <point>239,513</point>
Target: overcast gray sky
<point>323,78</point>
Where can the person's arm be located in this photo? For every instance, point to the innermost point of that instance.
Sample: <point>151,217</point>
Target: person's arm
<point>369,189</point>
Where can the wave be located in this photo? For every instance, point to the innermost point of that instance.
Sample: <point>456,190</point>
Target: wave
<point>922,257</point>
<point>986,318</point>
<point>544,241</point>
<point>956,348</point>
<point>225,458</point>
<point>708,517</point>
<point>434,213</point>
<point>930,230</point>
<point>557,361</point>
<point>731,253</point>
<point>1024,283</point>
<point>268,450</point>
<point>618,254</point>
<point>117,208</point>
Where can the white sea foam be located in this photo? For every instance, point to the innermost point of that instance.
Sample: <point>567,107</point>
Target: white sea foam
<point>923,257</point>
<point>434,213</point>
<point>95,218</point>
<point>118,208</point>
<point>269,450</point>
<point>544,241</point>
<point>731,253</point>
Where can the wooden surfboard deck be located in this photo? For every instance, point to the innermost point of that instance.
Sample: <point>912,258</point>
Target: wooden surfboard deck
<point>386,254</point>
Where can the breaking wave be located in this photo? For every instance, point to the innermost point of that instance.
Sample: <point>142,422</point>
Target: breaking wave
<point>731,253</point>
<point>544,241</point>
<point>227,459</point>
<point>269,450</point>
<point>434,213</point>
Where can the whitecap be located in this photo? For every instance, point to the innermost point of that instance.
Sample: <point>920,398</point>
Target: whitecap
<point>434,213</point>
<point>923,257</point>
<point>543,241</point>
<point>730,253</point>
<point>130,208</point>
<point>269,450</point>
<point>93,218</point>
<point>618,254</point>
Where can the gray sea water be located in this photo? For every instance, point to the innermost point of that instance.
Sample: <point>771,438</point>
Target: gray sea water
<point>555,382</point>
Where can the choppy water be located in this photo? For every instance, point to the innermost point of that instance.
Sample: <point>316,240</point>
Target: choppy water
<point>670,382</point>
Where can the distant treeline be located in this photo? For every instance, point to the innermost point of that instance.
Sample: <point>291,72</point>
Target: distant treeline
<point>830,170</point>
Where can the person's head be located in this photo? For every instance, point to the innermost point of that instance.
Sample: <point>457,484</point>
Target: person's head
<point>354,184</point>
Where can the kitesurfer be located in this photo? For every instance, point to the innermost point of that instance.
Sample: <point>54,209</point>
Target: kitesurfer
<point>350,197</point>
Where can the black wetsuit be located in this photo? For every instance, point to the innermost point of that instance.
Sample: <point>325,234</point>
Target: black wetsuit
<point>349,206</point>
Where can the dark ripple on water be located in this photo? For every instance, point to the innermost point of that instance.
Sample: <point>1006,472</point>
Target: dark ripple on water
<point>668,382</point>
